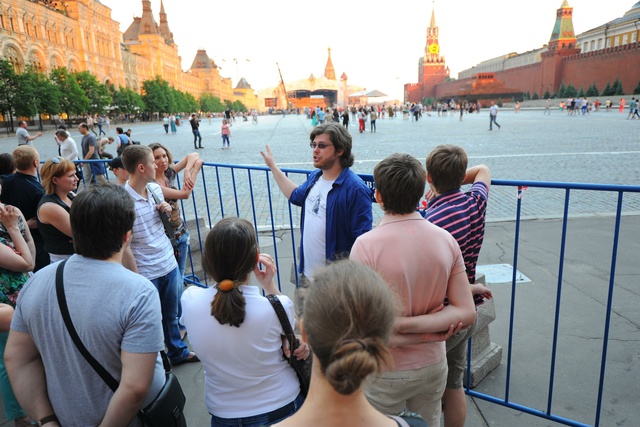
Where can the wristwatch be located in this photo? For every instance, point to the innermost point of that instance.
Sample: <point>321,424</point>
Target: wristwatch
<point>48,419</point>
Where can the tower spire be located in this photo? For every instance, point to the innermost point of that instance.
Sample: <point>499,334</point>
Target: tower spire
<point>329,71</point>
<point>164,25</point>
<point>562,36</point>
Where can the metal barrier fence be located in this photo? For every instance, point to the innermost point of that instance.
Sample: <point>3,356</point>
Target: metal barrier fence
<point>250,192</point>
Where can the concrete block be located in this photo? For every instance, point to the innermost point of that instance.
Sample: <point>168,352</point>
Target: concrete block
<point>484,363</point>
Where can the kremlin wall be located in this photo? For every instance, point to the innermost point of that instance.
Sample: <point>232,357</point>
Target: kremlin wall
<point>600,55</point>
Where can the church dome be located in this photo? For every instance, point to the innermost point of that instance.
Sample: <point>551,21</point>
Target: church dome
<point>635,10</point>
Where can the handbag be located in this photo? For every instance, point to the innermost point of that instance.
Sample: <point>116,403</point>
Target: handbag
<point>166,221</point>
<point>302,367</point>
<point>166,410</point>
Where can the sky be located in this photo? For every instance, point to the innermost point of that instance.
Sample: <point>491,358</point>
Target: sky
<point>377,44</point>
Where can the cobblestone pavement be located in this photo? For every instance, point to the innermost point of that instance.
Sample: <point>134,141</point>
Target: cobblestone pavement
<point>599,148</point>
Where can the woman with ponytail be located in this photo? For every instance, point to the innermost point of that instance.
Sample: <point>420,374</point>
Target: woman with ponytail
<point>349,313</point>
<point>237,334</point>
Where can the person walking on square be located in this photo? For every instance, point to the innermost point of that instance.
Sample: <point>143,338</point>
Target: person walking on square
<point>422,264</point>
<point>195,128</point>
<point>632,108</point>
<point>226,133</point>
<point>336,203</point>
<point>151,252</point>
<point>172,122</point>
<point>23,135</point>
<point>493,114</point>
<point>463,216</point>
<point>345,118</point>
<point>94,172</point>
<point>165,124</point>
<point>374,116</point>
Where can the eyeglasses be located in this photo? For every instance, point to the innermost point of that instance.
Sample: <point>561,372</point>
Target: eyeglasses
<point>55,160</point>
<point>321,145</point>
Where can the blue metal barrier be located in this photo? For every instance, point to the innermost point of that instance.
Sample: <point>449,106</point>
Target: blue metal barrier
<point>249,192</point>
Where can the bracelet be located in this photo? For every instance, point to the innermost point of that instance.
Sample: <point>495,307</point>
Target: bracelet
<point>48,419</point>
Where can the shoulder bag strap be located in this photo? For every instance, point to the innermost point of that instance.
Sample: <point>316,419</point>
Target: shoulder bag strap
<point>401,422</point>
<point>282,316</point>
<point>166,222</point>
<point>64,309</point>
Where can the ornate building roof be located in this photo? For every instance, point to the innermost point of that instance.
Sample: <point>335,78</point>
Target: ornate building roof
<point>202,61</point>
<point>243,84</point>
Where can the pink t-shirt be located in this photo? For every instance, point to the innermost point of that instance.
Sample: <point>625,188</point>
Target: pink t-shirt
<point>417,260</point>
<point>225,129</point>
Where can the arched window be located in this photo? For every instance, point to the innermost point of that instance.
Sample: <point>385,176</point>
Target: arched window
<point>12,54</point>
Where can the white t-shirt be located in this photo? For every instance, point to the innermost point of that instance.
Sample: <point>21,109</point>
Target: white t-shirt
<point>69,149</point>
<point>315,227</point>
<point>493,110</point>
<point>244,371</point>
<point>150,245</point>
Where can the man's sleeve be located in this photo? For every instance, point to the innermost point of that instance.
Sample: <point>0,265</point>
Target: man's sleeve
<point>360,211</point>
<point>143,333</point>
<point>297,196</point>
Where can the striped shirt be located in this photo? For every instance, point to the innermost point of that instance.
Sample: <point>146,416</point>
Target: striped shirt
<point>151,247</point>
<point>462,215</point>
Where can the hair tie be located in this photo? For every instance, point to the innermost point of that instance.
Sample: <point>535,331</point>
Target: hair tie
<point>226,285</point>
<point>357,341</point>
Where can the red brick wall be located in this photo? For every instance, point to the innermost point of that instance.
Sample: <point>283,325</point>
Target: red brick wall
<point>579,70</point>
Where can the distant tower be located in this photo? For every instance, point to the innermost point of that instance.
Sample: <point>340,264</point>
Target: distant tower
<point>164,25</point>
<point>561,44</point>
<point>563,36</point>
<point>432,68</point>
<point>148,25</point>
<point>329,71</point>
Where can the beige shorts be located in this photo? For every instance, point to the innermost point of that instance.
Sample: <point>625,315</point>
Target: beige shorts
<point>418,390</point>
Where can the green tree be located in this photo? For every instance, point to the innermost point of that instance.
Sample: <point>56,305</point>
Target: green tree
<point>546,95</point>
<point>238,106</point>
<point>126,101</point>
<point>74,100</point>
<point>581,92</point>
<point>636,91</point>
<point>98,93</point>
<point>618,87</point>
<point>210,103</point>
<point>607,90</point>
<point>39,95</point>
<point>593,90</point>
<point>8,89</point>
<point>570,92</point>
<point>535,95</point>
<point>191,102</point>
<point>157,96</point>
<point>562,90</point>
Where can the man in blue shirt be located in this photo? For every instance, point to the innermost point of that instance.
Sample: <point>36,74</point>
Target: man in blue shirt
<point>336,203</point>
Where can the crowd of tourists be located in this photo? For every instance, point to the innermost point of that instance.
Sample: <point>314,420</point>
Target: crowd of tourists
<point>382,315</point>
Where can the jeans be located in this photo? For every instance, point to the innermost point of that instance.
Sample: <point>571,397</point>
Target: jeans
<point>12,409</point>
<point>170,288</point>
<point>492,120</point>
<point>267,419</point>
<point>225,138</point>
<point>197,137</point>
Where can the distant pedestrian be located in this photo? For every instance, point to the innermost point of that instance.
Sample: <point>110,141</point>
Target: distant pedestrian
<point>547,108</point>
<point>195,125</point>
<point>345,118</point>
<point>226,133</point>
<point>493,114</point>
<point>172,122</point>
<point>632,108</point>
<point>100,123</point>
<point>165,123</point>
<point>374,116</point>
<point>23,136</point>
